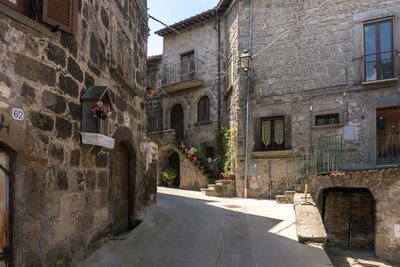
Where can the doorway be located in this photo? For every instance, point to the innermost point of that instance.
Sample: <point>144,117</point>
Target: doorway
<point>121,190</point>
<point>4,204</point>
<point>177,121</point>
<point>174,162</point>
<point>348,215</point>
<point>387,133</point>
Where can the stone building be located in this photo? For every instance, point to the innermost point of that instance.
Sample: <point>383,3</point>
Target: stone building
<point>323,98</point>
<point>69,181</point>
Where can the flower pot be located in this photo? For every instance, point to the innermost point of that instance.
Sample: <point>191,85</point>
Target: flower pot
<point>171,185</point>
<point>186,149</point>
<point>183,146</point>
<point>231,177</point>
<point>189,155</point>
<point>194,158</point>
<point>151,90</point>
<point>201,167</point>
<point>220,176</point>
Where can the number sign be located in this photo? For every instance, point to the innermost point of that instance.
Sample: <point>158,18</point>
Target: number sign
<point>17,114</point>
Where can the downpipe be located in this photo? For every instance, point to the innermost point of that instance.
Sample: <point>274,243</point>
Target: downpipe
<point>246,158</point>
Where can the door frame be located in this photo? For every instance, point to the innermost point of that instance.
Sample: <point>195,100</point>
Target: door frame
<point>182,122</point>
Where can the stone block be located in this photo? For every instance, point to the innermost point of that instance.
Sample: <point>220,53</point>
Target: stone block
<point>68,86</point>
<point>63,128</point>
<point>102,160</point>
<point>74,69</point>
<point>75,110</point>
<point>41,121</point>
<point>102,180</point>
<point>54,102</point>
<point>28,92</point>
<point>69,41</point>
<point>90,180</point>
<point>57,152</point>
<point>55,54</point>
<point>61,182</point>
<point>74,158</point>
<point>34,70</point>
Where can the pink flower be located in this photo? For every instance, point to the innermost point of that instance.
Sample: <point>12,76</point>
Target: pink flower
<point>104,108</point>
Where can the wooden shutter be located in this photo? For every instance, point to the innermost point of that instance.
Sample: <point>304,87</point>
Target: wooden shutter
<point>62,14</point>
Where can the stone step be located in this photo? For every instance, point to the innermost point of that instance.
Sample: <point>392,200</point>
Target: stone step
<point>281,199</point>
<point>212,186</point>
<point>209,192</point>
<point>289,195</point>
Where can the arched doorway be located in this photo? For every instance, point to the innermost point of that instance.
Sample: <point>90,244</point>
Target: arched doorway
<point>177,121</point>
<point>4,203</point>
<point>348,215</point>
<point>122,192</point>
<point>174,162</point>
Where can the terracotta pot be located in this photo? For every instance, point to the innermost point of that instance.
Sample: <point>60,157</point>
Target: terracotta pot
<point>171,185</point>
<point>194,158</point>
<point>220,176</point>
<point>151,91</point>
<point>189,155</point>
<point>201,167</point>
<point>199,163</point>
<point>231,177</point>
<point>183,146</point>
<point>186,149</point>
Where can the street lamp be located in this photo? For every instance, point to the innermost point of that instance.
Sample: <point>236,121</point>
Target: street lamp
<point>245,61</point>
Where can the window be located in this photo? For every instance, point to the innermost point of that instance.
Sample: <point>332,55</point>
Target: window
<point>378,50</point>
<point>204,109</point>
<point>61,14</point>
<point>187,66</point>
<point>229,76</point>
<point>328,119</point>
<point>272,134</point>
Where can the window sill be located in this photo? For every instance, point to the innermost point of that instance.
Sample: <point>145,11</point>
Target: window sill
<point>26,21</point>
<point>380,81</point>
<point>271,154</point>
<point>203,123</point>
<point>316,127</point>
<point>97,140</point>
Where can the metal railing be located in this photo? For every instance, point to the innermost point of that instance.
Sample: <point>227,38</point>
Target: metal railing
<point>333,153</point>
<point>379,66</point>
<point>181,71</point>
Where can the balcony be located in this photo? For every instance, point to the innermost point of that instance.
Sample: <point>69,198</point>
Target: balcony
<point>182,75</point>
<point>332,154</point>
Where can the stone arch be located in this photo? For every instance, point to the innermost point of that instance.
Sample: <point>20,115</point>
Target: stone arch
<point>8,161</point>
<point>349,216</point>
<point>176,100</point>
<point>124,139</point>
<point>212,103</point>
<point>163,160</point>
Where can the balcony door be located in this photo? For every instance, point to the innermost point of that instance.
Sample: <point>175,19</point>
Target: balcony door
<point>388,141</point>
<point>177,121</point>
<point>187,66</point>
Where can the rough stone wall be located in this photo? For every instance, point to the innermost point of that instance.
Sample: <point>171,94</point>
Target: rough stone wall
<point>196,134</point>
<point>61,208</point>
<point>385,188</point>
<point>308,68</point>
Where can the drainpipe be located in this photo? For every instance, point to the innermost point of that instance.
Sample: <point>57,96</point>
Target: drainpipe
<point>246,158</point>
<point>219,66</point>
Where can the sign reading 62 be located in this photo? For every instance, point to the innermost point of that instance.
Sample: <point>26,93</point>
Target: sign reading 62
<point>17,114</point>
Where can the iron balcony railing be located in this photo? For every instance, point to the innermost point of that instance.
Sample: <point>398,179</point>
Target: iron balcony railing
<point>181,71</point>
<point>333,153</point>
<point>379,66</point>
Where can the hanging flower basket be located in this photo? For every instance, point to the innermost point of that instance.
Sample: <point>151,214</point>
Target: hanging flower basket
<point>100,111</point>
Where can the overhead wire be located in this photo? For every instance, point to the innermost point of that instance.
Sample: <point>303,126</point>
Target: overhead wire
<point>290,29</point>
<point>189,38</point>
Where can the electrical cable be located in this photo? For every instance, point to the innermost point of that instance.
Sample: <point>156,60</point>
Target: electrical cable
<point>290,29</point>
<point>187,37</point>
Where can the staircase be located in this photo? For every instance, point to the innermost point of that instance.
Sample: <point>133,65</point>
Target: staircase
<point>221,188</point>
<point>288,196</point>
<point>200,164</point>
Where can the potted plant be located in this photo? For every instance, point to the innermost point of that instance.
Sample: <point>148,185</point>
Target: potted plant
<point>195,152</point>
<point>151,90</point>
<point>169,175</point>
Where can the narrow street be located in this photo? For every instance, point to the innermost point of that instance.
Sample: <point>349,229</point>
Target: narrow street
<point>187,228</point>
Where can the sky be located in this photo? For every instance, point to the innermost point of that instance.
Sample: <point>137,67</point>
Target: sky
<point>170,12</point>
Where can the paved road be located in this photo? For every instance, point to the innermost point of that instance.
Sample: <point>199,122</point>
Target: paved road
<point>186,228</point>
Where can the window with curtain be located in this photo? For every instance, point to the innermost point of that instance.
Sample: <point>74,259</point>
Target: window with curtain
<point>272,134</point>
<point>204,109</point>
<point>378,50</point>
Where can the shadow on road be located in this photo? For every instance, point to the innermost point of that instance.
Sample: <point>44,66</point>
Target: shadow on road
<point>190,230</point>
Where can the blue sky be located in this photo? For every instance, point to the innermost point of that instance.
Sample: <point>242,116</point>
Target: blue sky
<point>171,11</point>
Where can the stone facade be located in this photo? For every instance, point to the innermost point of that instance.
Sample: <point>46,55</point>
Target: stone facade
<point>385,188</point>
<point>60,190</point>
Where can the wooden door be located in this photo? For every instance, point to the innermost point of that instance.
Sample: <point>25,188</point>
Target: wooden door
<point>177,121</point>
<point>388,129</point>
<point>349,217</point>
<point>121,189</point>
<point>187,66</point>
<point>3,204</point>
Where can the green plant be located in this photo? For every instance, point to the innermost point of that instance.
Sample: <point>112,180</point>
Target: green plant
<point>196,152</point>
<point>220,148</point>
<point>231,153</point>
<point>169,175</point>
